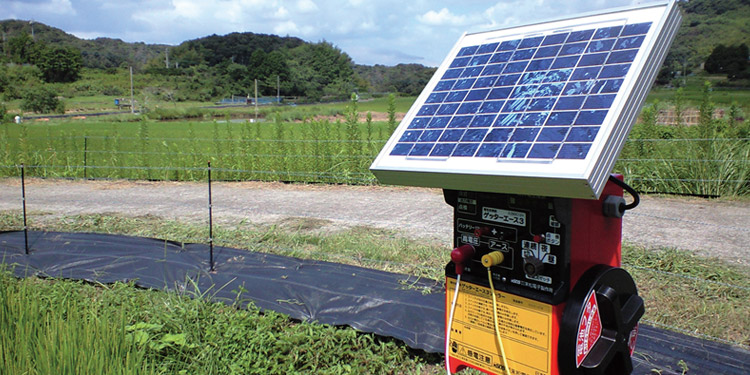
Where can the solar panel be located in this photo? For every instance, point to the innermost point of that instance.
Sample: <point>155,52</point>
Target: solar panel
<point>542,109</point>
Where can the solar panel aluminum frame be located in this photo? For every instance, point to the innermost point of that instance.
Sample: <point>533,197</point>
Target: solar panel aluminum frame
<point>560,178</point>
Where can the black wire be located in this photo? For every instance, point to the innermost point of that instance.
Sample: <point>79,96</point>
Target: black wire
<point>630,190</point>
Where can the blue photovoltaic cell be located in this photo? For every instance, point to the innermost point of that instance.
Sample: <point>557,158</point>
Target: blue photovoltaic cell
<point>555,39</point>
<point>499,93</point>
<point>600,45</point>
<point>474,135</point>
<point>624,56</point>
<point>460,121</point>
<point>553,134</point>
<point>629,42</point>
<point>452,135</point>
<point>636,29</point>
<point>507,80</point>
<point>485,82</point>
<point>467,51</point>
<point>479,60</point>
<point>487,48</point>
<point>574,151</point>
<point>508,45</point>
<point>607,32</point>
<point>501,57</point>
<point>562,118</point>
<point>443,149</point>
<point>465,149</point>
<point>438,122</point>
<point>474,71</point>
<point>490,150</point>
<point>452,73</point>
<point>549,51</point>
<point>455,96</point>
<point>542,97</point>
<point>493,69</point>
<point>565,62</point>
<point>447,109</point>
<point>421,149</point>
<point>463,84</point>
<point>460,62</point>
<point>516,150</point>
<point>499,135</point>
<point>531,42</point>
<point>516,67</point>
<point>544,150</point>
<point>476,95</point>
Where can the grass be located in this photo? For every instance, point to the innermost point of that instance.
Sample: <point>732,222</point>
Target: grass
<point>56,326</point>
<point>688,293</point>
<point>303,144</point>
<point>722,96</point>
<point>313,151</point>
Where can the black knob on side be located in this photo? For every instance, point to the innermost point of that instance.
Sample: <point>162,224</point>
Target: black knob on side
<point>532,266</point>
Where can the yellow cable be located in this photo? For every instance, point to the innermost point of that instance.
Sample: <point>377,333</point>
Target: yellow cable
<point>497,328</point>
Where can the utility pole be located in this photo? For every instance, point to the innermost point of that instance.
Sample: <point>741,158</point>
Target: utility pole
<point>166,53</point>
<point>132,101</point>
<point>32,30</point>
<point>256,99</point>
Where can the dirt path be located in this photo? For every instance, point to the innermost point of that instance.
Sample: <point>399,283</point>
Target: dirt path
<point>712,228</point>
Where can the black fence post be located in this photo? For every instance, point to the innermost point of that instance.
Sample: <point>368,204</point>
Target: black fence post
<point>210,221</point>
<point>85,153</point>
<point>23,199</point>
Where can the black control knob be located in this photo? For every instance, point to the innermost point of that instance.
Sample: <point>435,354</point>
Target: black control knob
<point>532,266</point>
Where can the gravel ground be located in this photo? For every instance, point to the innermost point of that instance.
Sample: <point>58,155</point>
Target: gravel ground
<point>707,227</point>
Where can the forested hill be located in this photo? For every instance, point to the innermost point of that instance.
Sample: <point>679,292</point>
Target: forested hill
<point>96,53</point>
<point>706,24</point>
<point>222,65</point>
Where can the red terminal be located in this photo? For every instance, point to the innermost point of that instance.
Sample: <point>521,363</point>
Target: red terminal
<point>479,232</point>
<point>537,238</point>
<point>461,255</point>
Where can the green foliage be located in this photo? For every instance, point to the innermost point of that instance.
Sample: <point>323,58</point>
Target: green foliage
<point>679,106</point>
<point>407,79</point>
<point>705,23</point>
<point>52,328</point>
<point>729,60</point>
<point>41,99</point>
<point>706,124</point>
<point>64,327</point>
<point>60,64</point>
<point>23,50</point>
<point>4,115</point>
<point>706,159</point>
<point>391,113</point>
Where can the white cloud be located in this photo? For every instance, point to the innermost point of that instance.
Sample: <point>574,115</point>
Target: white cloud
<point>286,28</point>
<point>281,13</point>
<point>306,6</point>
<point>187,8</point>
<point>442,18</point>
<point>371,31</point>
<point>36,9</point>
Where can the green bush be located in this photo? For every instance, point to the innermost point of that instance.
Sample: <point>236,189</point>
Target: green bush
<point>4,116</point>
<point>41,100</point>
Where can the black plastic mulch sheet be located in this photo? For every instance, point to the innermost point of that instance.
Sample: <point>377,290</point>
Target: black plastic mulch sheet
<point>367,300</point>
<point>384,303</point>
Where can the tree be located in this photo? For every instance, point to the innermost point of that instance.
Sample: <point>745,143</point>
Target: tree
<point>729,60</point>
<point>23,50</point>
<point>41,100</point>
<point>60,64</point>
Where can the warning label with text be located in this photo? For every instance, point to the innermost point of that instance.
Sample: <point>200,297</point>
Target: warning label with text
<point>525,329</point>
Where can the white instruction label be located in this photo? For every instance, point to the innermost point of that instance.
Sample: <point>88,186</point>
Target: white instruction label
<point>504,216</point>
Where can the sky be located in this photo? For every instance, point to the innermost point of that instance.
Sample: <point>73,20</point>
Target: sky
<point>386,32</point>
